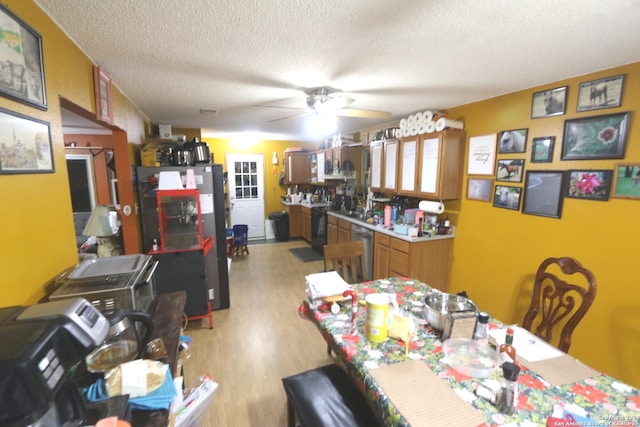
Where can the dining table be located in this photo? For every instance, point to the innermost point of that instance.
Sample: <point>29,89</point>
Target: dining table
<point>412,385</point>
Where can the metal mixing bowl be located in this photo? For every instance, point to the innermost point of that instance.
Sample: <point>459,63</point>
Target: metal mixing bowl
<point>439,304</point>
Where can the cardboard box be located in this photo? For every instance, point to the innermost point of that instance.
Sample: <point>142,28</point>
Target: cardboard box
<point>150,154</point>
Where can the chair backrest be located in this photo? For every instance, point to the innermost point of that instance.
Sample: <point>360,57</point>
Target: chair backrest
<point>347,259</point>
<point>557,304</point>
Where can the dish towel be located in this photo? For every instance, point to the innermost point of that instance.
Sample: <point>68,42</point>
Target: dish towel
<point>160,398</point>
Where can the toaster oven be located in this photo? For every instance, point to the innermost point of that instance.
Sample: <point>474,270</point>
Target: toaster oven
<point>125,281</point>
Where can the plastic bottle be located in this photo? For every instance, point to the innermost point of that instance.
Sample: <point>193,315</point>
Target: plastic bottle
<point>508,400</point>
<point>387,216</point>
<point>507,351</point>
<point>394,213</point>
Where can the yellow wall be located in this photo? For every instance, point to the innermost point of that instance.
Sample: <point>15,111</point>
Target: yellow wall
<point>497,251</point>
<point>272,191</point>
<point>38,237</point>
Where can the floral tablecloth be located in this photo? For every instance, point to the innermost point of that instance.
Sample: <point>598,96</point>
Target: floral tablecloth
<point>604,400</point>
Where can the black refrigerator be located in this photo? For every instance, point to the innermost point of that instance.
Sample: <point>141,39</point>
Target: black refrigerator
<point>184,271</point>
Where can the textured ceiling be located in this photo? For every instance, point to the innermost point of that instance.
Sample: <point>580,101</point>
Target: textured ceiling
<point>174,58</point>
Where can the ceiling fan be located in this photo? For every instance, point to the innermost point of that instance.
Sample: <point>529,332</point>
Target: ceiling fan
<point>325,100</point>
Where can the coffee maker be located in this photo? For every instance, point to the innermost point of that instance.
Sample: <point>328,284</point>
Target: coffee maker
<point>42,346</point>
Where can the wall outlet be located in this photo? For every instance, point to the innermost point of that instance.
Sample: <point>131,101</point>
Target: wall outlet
<point>211,294</point>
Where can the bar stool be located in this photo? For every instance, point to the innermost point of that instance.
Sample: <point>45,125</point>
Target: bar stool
<point>240,232</point>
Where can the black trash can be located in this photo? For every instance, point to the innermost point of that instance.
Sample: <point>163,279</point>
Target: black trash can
<point>281,225</point>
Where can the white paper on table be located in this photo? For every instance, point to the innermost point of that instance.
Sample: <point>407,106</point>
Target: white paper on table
<point>330,283</point>
<point>528,346</point>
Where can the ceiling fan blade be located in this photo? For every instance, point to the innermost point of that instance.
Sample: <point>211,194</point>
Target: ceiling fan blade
<point>367,114</point>
<point>288,117</point>
<point>280,106</point>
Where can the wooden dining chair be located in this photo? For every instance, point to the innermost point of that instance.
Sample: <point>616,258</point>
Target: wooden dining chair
<point>347,259</point>
<point>556,304</point>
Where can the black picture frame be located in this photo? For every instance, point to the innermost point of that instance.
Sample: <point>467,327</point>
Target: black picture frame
<point>548,103</point>
<point>512,141</point>
<point>542,149</point>
<point>510,170</point>
<point>595,137</point>
<point>507,197</point>
<point>22,78</point>
<point>600,94</point>
<point>26,144</point>
<point>543,194</point>
<point>589,184</point>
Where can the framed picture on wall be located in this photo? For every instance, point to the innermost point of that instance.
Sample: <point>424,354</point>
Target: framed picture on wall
<point>482,154</point>
<point>512,141</point>
<point>104,103</point>
<point>479,189</point>
<point>626,181</point>
<point>543,193</point>
<point>549,103</point>
<point>21,60</point>
<point>26,144</point>
<point>542,149</point>
<point>596,137</point>
<point>598,94</point>
<point>508,197</point>
<point>510,170</point>
<point>589,184</point>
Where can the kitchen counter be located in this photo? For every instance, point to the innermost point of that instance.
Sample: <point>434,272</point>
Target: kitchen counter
<point>305,204</point>
<point>388,231</point>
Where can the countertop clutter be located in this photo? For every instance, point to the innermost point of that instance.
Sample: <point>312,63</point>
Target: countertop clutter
<point>380,228</point>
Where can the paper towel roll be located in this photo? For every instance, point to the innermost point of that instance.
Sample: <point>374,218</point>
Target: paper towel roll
<point>403,123</point>
<point>431,127</point>
<point>411,121</point>
<point>431,207</point>
<point>427,115</point>
<point>443,123</point>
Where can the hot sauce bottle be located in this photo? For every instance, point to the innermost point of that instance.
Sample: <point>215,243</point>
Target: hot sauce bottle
<point>507,351</point>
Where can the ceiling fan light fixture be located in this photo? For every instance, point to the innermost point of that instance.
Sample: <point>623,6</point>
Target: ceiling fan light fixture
<point>322,123</point>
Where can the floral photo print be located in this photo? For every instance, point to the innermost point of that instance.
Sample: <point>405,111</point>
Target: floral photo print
<point>589,184</point>
<point>599,137</point>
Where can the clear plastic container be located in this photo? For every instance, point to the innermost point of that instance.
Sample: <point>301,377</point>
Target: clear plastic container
<point>470,357</point>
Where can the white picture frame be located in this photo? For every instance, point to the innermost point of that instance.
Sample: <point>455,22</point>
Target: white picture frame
<point>482,154</point>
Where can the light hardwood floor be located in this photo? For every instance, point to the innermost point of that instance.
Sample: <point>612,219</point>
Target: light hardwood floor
<point>258,340</point>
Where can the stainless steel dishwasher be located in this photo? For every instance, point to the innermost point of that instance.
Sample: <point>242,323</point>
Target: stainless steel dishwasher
<point>365,235</point>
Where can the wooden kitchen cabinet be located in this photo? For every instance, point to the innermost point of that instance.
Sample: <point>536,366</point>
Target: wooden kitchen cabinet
<point>332,230</point>
<point>428,261</point>
<point>344,231</point>
<point>431,166</point>
<point>375,153</point>
<point>408,166</point>
<point>295,220</point>
<point>441,165</point>
<point>390,166</point>
<point>306,223</point>
<point>296,166</point>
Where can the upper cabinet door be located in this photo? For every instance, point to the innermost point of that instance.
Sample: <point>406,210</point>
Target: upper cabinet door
<point>408,164</point>
<point>321,167</point>
<point>376,152</point>
<point>440,165</point>
<point>390,166</point>
<point>429,156</point>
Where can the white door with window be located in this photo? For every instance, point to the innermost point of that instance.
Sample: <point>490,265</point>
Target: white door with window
<point>245,173</point>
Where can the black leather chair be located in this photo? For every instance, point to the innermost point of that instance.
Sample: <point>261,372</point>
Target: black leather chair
<point>326,397</point>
